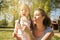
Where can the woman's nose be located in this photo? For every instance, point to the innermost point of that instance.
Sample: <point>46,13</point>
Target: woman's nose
<point>34,18</point>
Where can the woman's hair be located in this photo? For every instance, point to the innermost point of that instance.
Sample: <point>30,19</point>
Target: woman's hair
<point>46,21</point>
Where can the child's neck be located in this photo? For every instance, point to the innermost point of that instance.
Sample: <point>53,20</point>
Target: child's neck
<point>25,17</point>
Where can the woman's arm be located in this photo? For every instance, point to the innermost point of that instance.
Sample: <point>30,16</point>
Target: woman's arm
<point>48,36</point>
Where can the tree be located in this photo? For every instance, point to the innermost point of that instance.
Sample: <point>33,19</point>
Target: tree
<point>3,6</point>
<point>9,7</point>
<point>43,4</point>
<point>47,6</point>
<point>12,6</point>
<point>3,23</point>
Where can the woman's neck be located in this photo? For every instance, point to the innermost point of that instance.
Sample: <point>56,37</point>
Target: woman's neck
<point>39,30</point>
<point>40,27</point>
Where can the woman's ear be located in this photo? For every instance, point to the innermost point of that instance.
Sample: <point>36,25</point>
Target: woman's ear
<point>43,17</point>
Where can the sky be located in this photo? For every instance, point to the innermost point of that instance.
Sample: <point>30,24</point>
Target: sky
<point>55,14</point>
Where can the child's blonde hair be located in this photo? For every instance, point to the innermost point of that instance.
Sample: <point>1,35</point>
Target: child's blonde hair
<point>25,6</point>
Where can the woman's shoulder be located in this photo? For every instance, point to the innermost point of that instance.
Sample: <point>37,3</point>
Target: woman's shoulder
<point>48,33</point>
<point>48,36</point>
<point>49,29</point>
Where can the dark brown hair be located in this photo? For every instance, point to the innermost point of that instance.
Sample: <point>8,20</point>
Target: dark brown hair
<point>46,21</point>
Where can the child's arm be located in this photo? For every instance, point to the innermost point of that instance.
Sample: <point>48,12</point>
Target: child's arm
<point>23,27</point>
<point>15,29</point>
<point>26,25</point>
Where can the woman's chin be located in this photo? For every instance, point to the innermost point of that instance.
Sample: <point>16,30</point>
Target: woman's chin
<point>34,22</point>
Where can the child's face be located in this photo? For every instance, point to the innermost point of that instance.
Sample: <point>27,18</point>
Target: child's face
<point>24,11</point>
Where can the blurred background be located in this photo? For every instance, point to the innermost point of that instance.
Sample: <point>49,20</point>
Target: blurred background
<point>9,12</point>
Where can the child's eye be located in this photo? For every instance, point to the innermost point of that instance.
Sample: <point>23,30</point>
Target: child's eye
<point>21,10</point>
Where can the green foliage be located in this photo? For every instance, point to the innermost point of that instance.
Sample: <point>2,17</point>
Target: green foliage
<point>47,6</point>
<point>9,6</point>
<point>12,7</point>
<point>55,38</point>
<point>3,23</point>
<point>4,6</point>
<point>43,4</point>
<point>10,24</point>
<point>5,36</point>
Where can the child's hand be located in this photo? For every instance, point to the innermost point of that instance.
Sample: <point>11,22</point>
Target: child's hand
<point>14,35</point>
<point>18,26</point>
<point>23,27</point>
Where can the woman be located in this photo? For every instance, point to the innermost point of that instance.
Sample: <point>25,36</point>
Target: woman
<point>22,26</point>
<point>41,29</point>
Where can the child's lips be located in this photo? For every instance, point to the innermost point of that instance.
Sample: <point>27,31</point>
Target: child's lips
<point>23,14</point>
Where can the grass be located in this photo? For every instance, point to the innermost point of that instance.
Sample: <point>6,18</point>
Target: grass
<point>7,35</point>
<point>55,37</point>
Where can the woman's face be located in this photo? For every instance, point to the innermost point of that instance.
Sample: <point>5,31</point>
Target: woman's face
<point>24,11</point>
<point>37,16</point>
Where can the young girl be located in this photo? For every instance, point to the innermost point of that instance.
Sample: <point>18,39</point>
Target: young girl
<point>22,26</point>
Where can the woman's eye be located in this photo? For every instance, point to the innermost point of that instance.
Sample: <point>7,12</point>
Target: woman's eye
<point>37,16</point>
